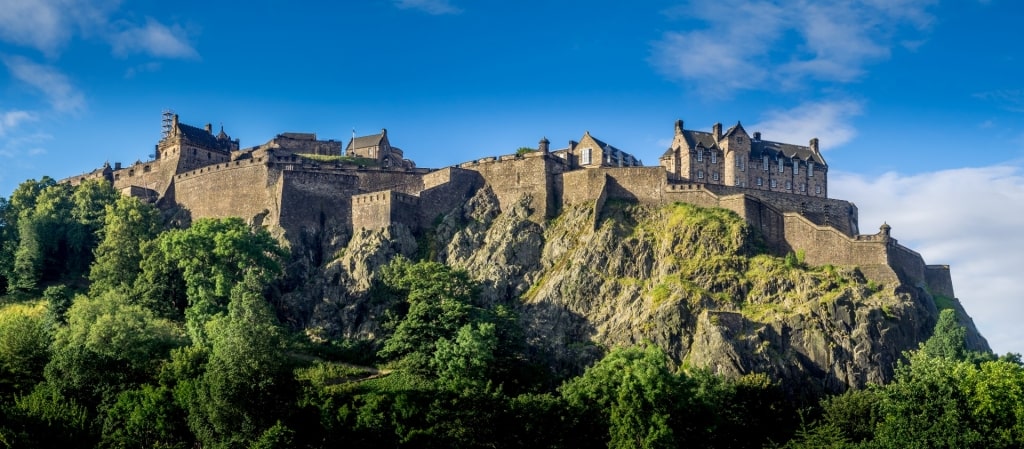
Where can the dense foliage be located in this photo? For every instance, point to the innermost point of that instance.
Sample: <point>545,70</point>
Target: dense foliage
<point>117,332</point>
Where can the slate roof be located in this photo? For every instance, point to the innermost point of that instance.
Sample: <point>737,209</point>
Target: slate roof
<point>366,141</point>
<point>199,136</point>
<point>773,149</point>
<point>735,129</point>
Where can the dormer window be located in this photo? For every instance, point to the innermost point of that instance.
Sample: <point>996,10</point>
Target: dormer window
<point>586,156</point>
<point>714,157</point>
<point>764,161</point>
<point>780,166</point>
<point>810,169</point>
<point>796,167</point>
<point>700,155</point>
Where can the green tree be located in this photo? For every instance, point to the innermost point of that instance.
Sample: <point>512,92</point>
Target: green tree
<point>635,393</point>
<point>439,301</point>
<point>128,223</point>
<point>22,199</point>
<point>24,347</point>
<point>246,386</point>
<point>209,259</point>
<point>109,345</point>
<point>947,338</point>
<point>464,363</point>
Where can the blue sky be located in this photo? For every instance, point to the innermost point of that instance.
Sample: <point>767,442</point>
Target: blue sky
<point>919,104</point>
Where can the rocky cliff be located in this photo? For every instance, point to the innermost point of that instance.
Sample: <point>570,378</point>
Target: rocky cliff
<point>696,282</point>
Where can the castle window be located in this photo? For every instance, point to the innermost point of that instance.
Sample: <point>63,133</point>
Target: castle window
<point>774,184</point>
<point>796,167</point>
<point>585,157</point>
<point>760,181</point>
<point>146,169</point>
<point>810,169</point>
<point>714,157</point>
<point>700,155</point>
<point>817,190</point>
<point>700,174</point>
<point>764,160</point>
<point>714,176</point>
<point>803,187</point>
<point>780,165</point>
<point>789,185</point>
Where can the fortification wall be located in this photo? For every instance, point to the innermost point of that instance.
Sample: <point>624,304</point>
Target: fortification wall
<point>839,214</point>
<point>444,190</point>
<point>510,177</point>
<point>231,189</point>
<point>907,263</point>
<point>379,210</point>
<point>155,175</point>
<point>314,201</point>
<point>939,280</point>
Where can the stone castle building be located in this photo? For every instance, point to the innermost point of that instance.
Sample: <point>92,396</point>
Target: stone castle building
<point>311,196</point>
<point>738,159</point>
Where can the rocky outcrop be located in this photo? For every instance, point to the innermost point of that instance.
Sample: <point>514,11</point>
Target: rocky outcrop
<point>696,282</point>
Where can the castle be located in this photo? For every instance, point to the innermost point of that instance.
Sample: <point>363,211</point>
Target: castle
<point>305,191</point>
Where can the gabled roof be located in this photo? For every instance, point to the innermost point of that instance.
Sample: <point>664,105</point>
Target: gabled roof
<point>603,145</point>
<point>198,136</point>
<point>367,141</point>
<point>737,128</point>
<point>695,138</point>
<point>762,147</point>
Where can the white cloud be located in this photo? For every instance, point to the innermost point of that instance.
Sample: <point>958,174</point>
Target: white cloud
<point>435,7</point>
<point>59,91</point>
<point>739,48</point>
<point>47,25</point>
<point>154,39</point>
<point>968,218</point>
<point>12,119</point>
<point>829,121</point>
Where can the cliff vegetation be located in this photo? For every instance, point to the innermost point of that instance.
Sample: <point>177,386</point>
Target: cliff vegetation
<point>610,325</point>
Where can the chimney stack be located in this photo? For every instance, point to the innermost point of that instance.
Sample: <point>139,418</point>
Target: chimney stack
<point>717,131</point>
<point>814,144</point>
<point>209,128</point>
<point>757,136</point>
<point>679,127</point>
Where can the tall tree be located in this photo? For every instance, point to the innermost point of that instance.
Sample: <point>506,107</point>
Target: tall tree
<point>127,225</point>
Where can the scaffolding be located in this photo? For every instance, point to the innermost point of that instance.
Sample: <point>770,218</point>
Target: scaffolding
<point>166,122</point>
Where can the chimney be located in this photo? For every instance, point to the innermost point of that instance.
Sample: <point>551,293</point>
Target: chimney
<point>757,136</point>
<point>384,131</point>
<point>717,131</point>
<point>572,146</point>
<point>209,128</point>
<point>679,127</point>
<point>814,144</point>
<point>117,165</point>
<point>542,146</point>
<point>174,124</point>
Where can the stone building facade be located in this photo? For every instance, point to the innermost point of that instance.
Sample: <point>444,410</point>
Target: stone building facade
<point>316,202</point>
<point>735,158</point>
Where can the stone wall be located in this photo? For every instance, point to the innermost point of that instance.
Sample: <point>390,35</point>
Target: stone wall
<point>513,176</point>
<point>233,189</point>
<point>381,209</point>
<point>445,190</point>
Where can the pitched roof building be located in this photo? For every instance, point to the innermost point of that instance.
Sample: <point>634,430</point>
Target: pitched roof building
<point>735,158</point>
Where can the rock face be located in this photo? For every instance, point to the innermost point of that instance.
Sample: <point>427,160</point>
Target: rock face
<point>696,282</point>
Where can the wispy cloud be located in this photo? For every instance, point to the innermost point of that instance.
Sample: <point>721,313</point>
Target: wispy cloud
<point>967,218</point>
<point>12,119</point>
<point>1009,99</point>
<point>736,44</point>
<point>435,7</point>
<point>829,121</point>
<point>48,25</point>
<point>154,39</point>
<point>53,84</point>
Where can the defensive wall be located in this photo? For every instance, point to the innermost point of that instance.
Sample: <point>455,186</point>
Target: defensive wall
<point>512,176</point>
<point>784,225</point>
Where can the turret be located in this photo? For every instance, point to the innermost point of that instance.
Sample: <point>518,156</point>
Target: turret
<point>543,145</point>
